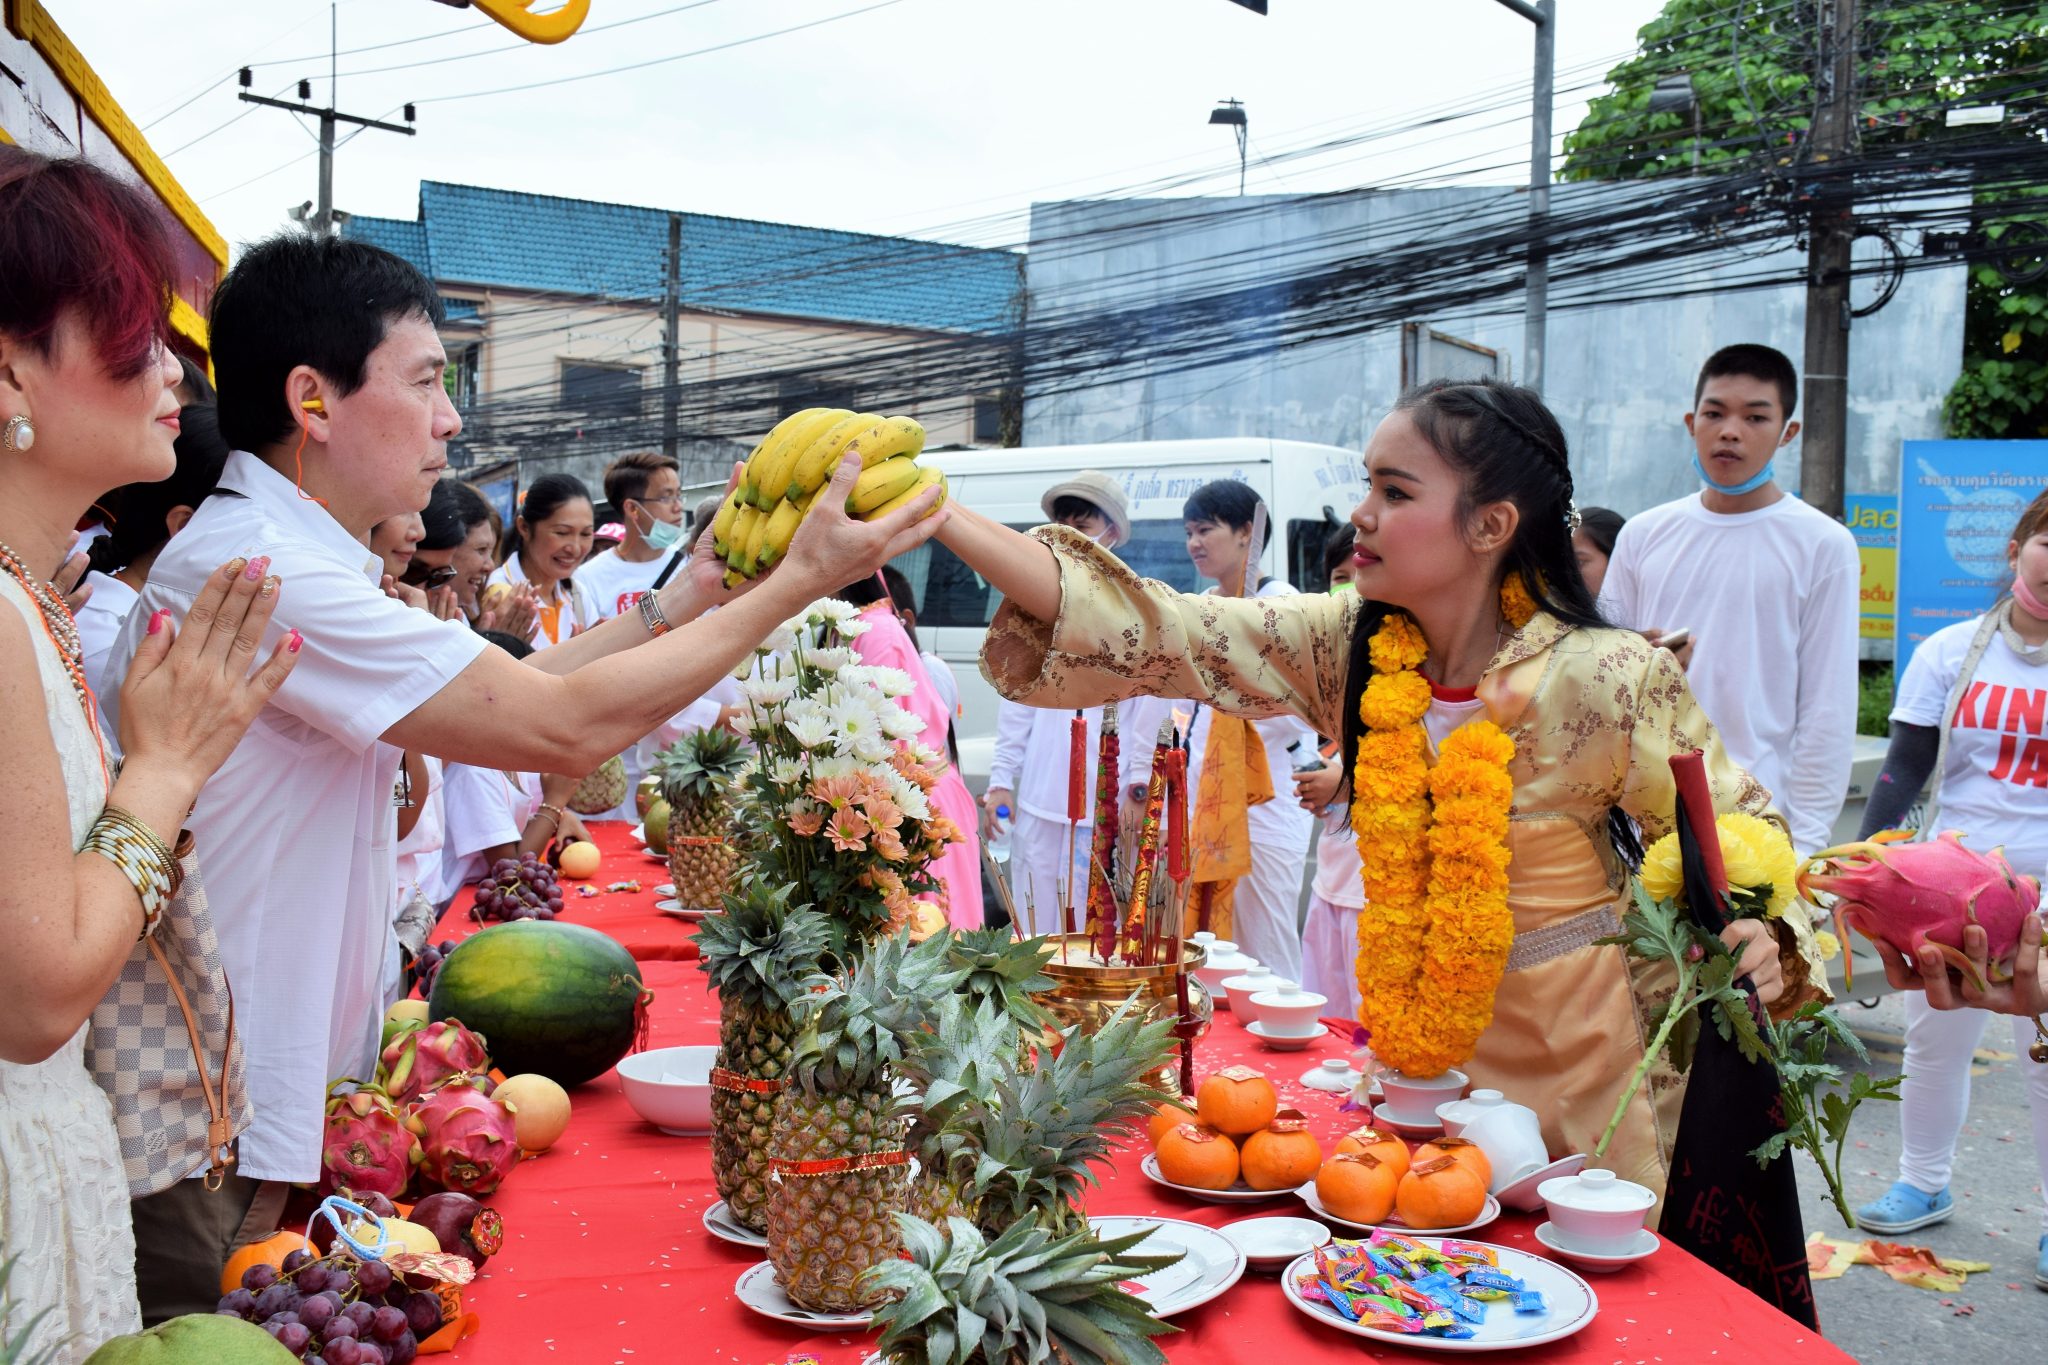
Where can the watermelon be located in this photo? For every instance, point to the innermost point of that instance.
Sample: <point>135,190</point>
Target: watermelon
<point>553,998</point>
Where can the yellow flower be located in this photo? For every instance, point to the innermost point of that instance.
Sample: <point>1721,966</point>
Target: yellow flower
<point>1397,645</point>
<point>1394,700</point>
<point>1662,875</point>
<point>1515,602</point>
<point>1756,854</point>
<point>1830,946</point>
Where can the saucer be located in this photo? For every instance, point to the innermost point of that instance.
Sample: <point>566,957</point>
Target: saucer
<point>1646,1245</point>
<point>678,909</point>
<point>1523,1193</point>
<point>665,889</point>
<point>1237,1194</point>
<point>1394,1223</point>
<point>1385,1117</point>
<point>759,1290</point>
<point>719,1222</point>
<point>1281,1042</point>
<point>1270,1243</point>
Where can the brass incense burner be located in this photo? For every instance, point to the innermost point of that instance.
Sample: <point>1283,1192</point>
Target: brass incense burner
<point>1088,991</point>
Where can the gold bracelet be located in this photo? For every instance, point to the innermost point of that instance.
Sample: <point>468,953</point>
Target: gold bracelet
<point>143,858</point>
<point>553,813</point>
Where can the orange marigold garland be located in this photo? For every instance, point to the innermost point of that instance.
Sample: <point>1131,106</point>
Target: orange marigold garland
<point>1432,843</point>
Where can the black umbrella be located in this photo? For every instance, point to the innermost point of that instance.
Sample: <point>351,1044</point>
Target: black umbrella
<point>1739,1218</point>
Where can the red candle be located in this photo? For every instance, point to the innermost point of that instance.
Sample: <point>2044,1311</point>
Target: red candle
<point>1177,815</point>
<point>1077,771</point>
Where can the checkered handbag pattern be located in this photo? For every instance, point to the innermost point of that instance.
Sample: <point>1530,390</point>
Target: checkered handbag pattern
<point>163,1047</point>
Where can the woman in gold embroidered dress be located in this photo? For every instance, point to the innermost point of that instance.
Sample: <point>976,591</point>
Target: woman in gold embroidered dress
<point>1468,484</point>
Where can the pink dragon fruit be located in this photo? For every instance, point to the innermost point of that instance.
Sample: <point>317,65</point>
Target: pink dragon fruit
<point>1907,894</point>
<point>420,1059</point>
<point>468,1141</point>
<point>366,1146</point>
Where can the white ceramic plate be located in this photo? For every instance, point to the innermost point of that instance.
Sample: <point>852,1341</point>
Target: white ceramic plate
<point>719,1222</point>
<point>1384,1117</point>
<point>665,889</point>
<point>1281,1042</point>
<point>1236,1194</point>
<point>759,1290</point>
<point>1210,1263</point>
<point>1569,1305</point>
<point>1394,1223</point>
<point>1524,1193</point>
<point>675,907</point>
<point>640,835</point>
<point>1646,1246</point>
<point>1270,1243</point>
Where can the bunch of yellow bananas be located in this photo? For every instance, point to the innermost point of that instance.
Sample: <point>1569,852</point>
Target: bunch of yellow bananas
<point>795,462</point>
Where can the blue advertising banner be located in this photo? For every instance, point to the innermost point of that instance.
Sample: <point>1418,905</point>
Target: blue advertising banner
<point>1958,502</point>
<point>1874,520</point>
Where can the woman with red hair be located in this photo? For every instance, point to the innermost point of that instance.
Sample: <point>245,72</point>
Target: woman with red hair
<point>87,403</point>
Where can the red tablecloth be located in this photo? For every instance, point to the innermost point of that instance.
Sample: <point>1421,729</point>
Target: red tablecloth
<point>628,916</point>
<point>606,1258</point>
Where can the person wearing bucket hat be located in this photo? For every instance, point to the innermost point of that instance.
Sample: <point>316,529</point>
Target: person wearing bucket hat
<point>1092,503</point>
<point>1028,775</point>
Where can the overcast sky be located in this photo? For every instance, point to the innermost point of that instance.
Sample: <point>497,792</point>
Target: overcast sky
<point>944,118</point>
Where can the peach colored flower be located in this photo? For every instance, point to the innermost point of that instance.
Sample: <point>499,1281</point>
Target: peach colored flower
<point>805,823</point>
<point>836,792</point>
<point>848,830</point>
<point>882,812</point>
<point>889,844</point>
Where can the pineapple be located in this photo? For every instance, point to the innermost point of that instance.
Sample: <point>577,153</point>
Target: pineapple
<point>700,786</point>
<point>826,1229</point>
<point>602,790</point>
<point>1031,1295</point>
<point>954,1066</point>
<point>1042,1127</point>
<point>761,956</point>
<point>1005,971</point>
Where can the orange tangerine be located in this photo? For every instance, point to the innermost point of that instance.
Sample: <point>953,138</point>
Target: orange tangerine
<point>1389,1149</point>
<point>1167,1117</point>
<point>1198,1156</point>
<point>270,1251</point>
<point>1439,1194</point>
<point>1237,1100</point>
<point>1464,1151</point>
<point>1357,1187</point>
<point>1282,1155</point>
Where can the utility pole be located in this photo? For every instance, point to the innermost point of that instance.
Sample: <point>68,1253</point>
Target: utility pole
<point>1536,288</point>
<point>322,222</point>
<point>671,338</point>
<point>1830,235</point>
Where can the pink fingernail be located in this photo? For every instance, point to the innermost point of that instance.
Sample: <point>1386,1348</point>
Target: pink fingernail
<point>156,621</point>
<point>294,640</point>
<point>256,568</point>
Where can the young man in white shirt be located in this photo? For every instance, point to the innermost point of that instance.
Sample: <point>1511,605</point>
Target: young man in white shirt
<point>1764,587</point>
<point>330,373</point>
<point>648,493</point>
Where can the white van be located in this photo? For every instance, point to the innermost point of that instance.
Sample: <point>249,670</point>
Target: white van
<point>1309,491</point>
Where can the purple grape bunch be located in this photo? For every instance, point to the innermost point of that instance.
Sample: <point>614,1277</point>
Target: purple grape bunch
<point>428,964</point>
<point>336,1310</point>
<point>522,888</point>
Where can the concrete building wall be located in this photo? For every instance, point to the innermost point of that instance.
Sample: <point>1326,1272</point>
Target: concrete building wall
<point>1620,375</point>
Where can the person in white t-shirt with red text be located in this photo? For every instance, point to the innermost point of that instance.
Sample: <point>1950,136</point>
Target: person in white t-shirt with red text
<point>1756,592</point>
<point>1972,711</point>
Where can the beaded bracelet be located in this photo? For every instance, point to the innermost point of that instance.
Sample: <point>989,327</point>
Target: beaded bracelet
<point>143,858</point>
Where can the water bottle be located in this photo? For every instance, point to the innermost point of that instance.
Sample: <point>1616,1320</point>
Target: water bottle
<point>999,843</point>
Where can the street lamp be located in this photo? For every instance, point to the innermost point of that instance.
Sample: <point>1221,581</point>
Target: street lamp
<point>1676,95</point>
<point>1231,113</point>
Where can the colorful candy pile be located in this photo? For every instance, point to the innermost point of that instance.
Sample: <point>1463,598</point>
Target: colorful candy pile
<point>1399,1284</point>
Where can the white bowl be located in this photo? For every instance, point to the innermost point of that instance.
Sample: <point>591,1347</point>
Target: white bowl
<point>1223,962</point>
<point>670,1087</point>
<point>1240,989</point>
<point>1269,1243</point>
<point>1595,1212</point>
<point>1416,1100</point>
<point>1288,1011</point>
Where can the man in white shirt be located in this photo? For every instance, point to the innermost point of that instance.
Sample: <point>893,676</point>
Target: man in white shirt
<point>1765,588</point>
<point>330,373</point>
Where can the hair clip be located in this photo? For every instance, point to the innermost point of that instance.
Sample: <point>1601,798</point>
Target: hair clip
<point>1573,518</point>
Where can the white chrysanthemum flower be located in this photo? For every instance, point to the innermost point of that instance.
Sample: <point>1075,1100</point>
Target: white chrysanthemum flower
<point>785,772</point>
<point>833,765</point>
<point>830,659</point>
<point>852,630</point>
<point>780,641</point>
<point>894,682</point>
<point>898,723</point>
<point>833,610</point>
<point>768,691</point>
<point>812,732</point>
<point>926,755</point>
<point>913,802</point>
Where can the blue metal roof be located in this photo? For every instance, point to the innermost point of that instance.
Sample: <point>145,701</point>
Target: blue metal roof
<point>470,235</point>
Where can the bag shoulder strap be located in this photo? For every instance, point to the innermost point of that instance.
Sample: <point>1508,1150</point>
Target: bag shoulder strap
<point>1986,629</point>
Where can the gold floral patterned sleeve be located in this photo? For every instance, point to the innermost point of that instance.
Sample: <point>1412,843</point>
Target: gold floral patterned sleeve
<point>1122,636</point>
<point>1668,720</point>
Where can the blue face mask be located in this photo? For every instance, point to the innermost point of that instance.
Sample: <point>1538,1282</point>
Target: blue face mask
<point>662,535</point>
<point>1748,485</point>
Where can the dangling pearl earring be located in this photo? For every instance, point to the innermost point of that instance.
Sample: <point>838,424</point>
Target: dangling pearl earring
<point>20,433</point>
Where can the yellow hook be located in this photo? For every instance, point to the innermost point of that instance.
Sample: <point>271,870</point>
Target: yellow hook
<point>553,27</point>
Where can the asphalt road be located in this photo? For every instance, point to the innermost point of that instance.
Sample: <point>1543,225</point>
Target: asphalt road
<point>1998,1316</point>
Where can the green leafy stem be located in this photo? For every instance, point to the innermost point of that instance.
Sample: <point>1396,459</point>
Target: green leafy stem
<point>1818,1103</point>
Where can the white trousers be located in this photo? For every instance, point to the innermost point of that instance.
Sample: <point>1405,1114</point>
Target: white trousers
<point>1329,948</point>
<point>1038,849</point>
<point>1936,1094</point>
<point>1266,916</point>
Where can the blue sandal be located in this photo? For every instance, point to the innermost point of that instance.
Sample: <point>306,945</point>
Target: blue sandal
<point>1904,1208</point>
<point>2041,1268</point>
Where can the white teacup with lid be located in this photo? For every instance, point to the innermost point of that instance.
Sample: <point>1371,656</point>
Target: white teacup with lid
<point>1596,1212</point>
<point>1334,1074</point>
<point>1457,1113</point>
<point>1224,961</point>
<point>1510,1134</point>
<point>1246,984</point>
<point>1288,1011</point>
